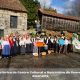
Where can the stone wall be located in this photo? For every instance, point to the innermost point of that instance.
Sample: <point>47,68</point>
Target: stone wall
<point>5,21</point>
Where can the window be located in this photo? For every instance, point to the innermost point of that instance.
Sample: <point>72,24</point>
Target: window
<point>13,21</point>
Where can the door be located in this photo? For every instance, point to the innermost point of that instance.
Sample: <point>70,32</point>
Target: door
<point>1,32</point>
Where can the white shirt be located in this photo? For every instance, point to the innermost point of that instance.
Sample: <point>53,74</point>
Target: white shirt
<point>66,42</point>
<point>28,41</point>
<point>5,43</point>
<point>41,40</point>
<point>52,40</point>
<point>46,40</point>
<point>22,42</point>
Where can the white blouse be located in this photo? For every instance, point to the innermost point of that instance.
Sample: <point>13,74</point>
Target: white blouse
<point>5,43</point>
<point>28,41</point>
<point>22,42</point>
<point>66,42</point>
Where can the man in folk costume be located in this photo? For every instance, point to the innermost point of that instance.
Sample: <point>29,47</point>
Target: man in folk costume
<point>55,44</point>
<point>49,43</point>
<point>35,48</point>
<point>22,45</point>
<point>46,40</point>
<point>16,46</point>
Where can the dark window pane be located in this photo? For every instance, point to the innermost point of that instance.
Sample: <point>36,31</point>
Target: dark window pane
<point>13,21</point>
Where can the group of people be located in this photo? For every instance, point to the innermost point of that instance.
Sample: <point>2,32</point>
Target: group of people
<point>62,45</point>
<point>14,45</point>
<point>25,44</point>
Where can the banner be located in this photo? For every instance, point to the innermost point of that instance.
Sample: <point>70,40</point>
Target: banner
<point>76,44</point>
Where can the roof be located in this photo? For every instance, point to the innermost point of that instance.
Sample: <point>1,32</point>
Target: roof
<point>50,13</point>
<point>14,5</point>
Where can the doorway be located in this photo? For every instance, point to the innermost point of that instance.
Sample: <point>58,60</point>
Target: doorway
<point>1,32</point>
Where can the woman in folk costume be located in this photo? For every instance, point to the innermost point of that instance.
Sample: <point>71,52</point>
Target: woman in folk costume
<point>22,45</point>
<point>0,46</point>
<point>1,41</point>
<point>61,44</point>
<point>11,46</point>
<point>29,45</point>
<point>66,42</point>
<point>5,48</point>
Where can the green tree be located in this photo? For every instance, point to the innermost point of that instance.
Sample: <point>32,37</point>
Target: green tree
<point>32,7</point>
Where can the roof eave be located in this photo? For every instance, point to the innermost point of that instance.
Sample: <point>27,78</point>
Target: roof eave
<point>15,10</point>
<point>77,19</point>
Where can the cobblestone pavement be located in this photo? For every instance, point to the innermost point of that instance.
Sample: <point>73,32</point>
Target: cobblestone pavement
<point>71,60</point>
<point>53,61</point>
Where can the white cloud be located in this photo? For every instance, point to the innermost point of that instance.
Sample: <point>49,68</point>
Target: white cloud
<point>65,8</point>
<point>68,5</point>
<point>59,9</point>
<point>71,0</point>
<point>46,3</point>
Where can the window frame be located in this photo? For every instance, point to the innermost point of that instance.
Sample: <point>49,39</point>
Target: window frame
<point>11,21</point>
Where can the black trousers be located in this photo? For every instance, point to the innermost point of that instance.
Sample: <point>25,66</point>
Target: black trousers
<point>0,51</point>
<point>29,48</point>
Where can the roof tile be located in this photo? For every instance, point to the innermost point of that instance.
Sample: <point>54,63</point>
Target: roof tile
<point>15,5</point>
<point>50,13</point>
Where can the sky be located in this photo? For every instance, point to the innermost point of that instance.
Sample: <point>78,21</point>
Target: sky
<point>61,5</point>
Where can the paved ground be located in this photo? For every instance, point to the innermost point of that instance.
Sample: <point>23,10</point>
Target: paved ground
<point>71,60</point>
<point>54,61</point>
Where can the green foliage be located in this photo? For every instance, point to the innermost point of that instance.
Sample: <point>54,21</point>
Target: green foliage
<point>33,35</point>
<point>32,7</point>
<point>51,10</point>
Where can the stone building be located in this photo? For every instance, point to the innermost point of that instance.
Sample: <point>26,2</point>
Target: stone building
<point>54,21</point>
<point>13,17</point>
